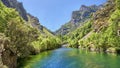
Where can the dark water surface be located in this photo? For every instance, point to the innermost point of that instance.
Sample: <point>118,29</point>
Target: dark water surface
<point>72,58</point>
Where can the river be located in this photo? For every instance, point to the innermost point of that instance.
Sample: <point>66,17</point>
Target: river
<point>72,58</point>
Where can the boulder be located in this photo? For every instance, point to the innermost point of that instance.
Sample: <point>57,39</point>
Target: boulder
<point>111,50</point>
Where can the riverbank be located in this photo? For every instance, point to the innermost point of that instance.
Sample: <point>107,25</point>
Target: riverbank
<point>96,49</point>
<point>22,60</point>
<point>93,48</point>
<point>71,58</point>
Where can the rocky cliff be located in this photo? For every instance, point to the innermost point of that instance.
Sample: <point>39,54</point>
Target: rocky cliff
<point>83,13</point>
<point>18,6</point>
<point>26,27</point>
<point>78,18</point>
<point>101,33</point>
<point>33,21</point>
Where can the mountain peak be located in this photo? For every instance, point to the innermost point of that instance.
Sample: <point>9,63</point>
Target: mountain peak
<point>83,7</point>
<point>77,18</point>
<point>18,6</point>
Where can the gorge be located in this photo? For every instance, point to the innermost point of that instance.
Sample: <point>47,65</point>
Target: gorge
<point>92,32</point>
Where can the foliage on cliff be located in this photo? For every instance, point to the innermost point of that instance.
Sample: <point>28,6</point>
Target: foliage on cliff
<point>24,39</point>
<point>101,32</point>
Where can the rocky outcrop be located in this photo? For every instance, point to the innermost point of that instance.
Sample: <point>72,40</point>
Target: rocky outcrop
<point>34,21</point>
<point>19,33</point>
<point>18,6</point>
<point>103,36</point>
<point>78,18</point>
<point>83,13</point>
<point>101,16</point>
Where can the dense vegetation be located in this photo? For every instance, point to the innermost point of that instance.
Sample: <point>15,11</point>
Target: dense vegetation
<point>20,38</point>
<point>73,37</point>
<point>101,32</point>
<point>23,39</point>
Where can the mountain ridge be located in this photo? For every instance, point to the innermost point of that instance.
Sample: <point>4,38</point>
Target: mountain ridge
<point>78,18</point>
<point>30,19</point>
<point>21,37</point>
<point>101,32</point>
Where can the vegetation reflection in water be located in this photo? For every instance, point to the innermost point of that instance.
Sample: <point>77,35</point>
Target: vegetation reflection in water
<point>72,58</point>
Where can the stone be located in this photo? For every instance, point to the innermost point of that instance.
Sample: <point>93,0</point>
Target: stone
<point>77,19</point>
<point>18,6</point>
<point>111,50</point>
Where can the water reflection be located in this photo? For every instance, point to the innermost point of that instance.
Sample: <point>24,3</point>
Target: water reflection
<point>72,58</point>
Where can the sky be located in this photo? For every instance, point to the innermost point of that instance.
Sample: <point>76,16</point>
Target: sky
<point>55,13</point>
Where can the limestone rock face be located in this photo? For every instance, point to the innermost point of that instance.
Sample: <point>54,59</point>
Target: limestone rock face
<point>83,13</point>
<point>18,6</point>
<point>34,21</point>
<point>8,52</point>
<point>78,18</point>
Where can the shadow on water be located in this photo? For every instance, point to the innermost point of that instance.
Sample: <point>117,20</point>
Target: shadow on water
<point>72,58</point>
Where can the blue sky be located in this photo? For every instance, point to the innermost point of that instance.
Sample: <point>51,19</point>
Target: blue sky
<point>54,13</point>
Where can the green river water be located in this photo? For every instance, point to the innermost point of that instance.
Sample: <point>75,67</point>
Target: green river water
<point>72,58</point>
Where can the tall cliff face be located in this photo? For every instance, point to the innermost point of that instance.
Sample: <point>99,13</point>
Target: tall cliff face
<point>83,13</point>
<point>24,25</point>
<point>33,21</point>
<point>100,33</point>
<point>77,18</point>
<point>18,6</point>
